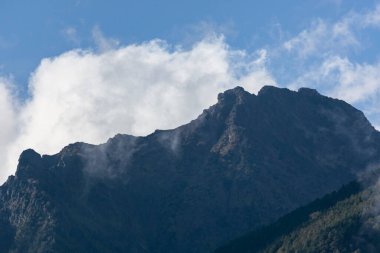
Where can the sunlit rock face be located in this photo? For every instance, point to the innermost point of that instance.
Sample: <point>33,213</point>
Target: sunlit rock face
<point>242,163</point>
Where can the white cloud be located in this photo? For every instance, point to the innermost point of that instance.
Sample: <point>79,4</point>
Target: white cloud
<point>354,83</point>
<point>325,38</point>
<point>344,79</point>
<point>371,18</point>
<point>8,129</point>
<point>91,96</point>
<point>322,39</point>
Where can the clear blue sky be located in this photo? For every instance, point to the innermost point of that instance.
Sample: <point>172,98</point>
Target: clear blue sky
<point>32,30</point>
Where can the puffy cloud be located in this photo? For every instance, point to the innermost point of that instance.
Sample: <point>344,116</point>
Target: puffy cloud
<point>344,79</point>
<point>90,96</point>
<point>8,129</point>
<point>356,82</point>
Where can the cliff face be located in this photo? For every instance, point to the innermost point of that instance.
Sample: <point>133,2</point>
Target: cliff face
<point>242,163</point>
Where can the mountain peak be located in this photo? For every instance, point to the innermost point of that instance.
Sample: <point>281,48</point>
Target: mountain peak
<point>29,155</point>
<point>237,94</point>
<point>267,89</point>
<point>29,159</point>
<point>273,90</point>
<point>308,91</point>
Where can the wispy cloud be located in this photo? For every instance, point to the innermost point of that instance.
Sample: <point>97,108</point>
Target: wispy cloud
<point>323,51</point>
<point>71,34</point>
<point>324,38</point>
<point>190,34</point>
<point>103,43</point>
<point>339,77</point>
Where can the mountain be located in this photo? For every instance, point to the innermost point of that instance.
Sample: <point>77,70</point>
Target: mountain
<point>243,163</point>
<point>347,220</point>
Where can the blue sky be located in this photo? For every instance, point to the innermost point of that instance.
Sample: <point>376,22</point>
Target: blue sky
<point>32,30</point>
<point>86,70</point>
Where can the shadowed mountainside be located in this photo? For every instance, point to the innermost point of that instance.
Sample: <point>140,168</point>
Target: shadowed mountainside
<point>242,163</point>
<point>342,221</point>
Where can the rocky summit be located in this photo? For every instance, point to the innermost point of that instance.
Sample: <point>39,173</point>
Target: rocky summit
<point>243,163</point>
